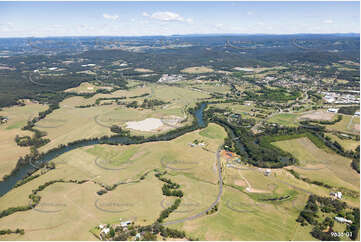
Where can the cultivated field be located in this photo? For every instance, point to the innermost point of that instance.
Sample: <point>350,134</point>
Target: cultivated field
<point>86,87</point>
<point>197,70</point>
<point>319,115</point>
<point>143,70</point>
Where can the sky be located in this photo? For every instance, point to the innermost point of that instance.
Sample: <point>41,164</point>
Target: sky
<point>42,19</point>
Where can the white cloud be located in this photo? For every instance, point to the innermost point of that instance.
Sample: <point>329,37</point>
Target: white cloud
<point>167,17</point>
<point>189,20</point>
<point>328,21</point>
<point>249,13</point>
<point>9,26</point>
<point>219,25</point>
<point>112,17</point>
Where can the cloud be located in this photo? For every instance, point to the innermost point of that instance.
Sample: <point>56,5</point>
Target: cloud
<point>167,17</point>
<point>249,13</point>
<point>9,26</point>
<point>328,21</point>
<point>112,17</point>
<point>189,20</point>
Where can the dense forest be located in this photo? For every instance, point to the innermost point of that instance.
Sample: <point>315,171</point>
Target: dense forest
<point>29,60</point>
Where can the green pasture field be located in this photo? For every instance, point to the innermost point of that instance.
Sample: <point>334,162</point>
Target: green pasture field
<point>348,124</point>
<point>86,87</point>
<point>176,94</point>
<point>145,195</point>
<point>17,118</point>
<point>258,221</point>
<point>285,119</point>
<point>319,165</point>
<point>79,209</point>
<point>70,123</point>
<point>347,144</point>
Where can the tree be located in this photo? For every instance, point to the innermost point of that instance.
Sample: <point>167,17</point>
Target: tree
<point>111,232</point>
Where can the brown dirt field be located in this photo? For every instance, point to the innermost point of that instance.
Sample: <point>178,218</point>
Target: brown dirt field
<point>142,70</point>
<point>240,183</point>
<point>197,70</point>
<point>319,115</point>
<point>137,155</point>
<point>252,190</point>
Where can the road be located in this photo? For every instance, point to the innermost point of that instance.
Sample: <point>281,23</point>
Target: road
<point>349,123</point>
<point>220,182</point>
<point>36,83</point>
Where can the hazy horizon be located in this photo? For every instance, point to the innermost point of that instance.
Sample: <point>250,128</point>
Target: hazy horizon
<point>131,19</point>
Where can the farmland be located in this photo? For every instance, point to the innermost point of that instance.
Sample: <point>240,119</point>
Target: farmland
<point>17,118</point>
<point>89,163</point>
<point>179,137</point>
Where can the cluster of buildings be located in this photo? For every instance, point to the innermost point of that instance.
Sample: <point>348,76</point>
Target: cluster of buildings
<point>3,120</point>
<point>343,220</point>
<point>105,229</point>
<point>332,110</point>
<point>336,195</point>
<point>197,143</point>
<point>285,83</point>
<point>88,65</point>
<point>171,78</point>
<point>337,98</point>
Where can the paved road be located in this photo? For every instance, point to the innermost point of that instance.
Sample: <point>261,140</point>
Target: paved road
<point>220,181</point>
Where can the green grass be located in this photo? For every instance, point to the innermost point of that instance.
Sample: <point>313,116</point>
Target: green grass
<point>347,144</point>
<point>213,132</point>
<point>263,222</point>
<point>331,168</point>
<point>345,125</point>
<point>114,157</point>
<point>285,119</point>
<point>17,125</point>
<point>315,140</point>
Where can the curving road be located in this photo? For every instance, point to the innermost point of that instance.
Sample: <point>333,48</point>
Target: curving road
<point>37,83</point>
<point>220,181</point>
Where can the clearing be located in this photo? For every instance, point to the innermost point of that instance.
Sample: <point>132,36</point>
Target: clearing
<point>197,70</point>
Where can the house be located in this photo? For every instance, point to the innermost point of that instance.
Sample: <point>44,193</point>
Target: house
<point>343,220</point>
<point>332,110</point>
<point>125,224</point>
<point>267,172</point>
<point>337,195</point>
<point>105,231</point>
<point>3,120</point>
<point>101,226</point>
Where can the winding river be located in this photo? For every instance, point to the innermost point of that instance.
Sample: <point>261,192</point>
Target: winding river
<point>7,184</point>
